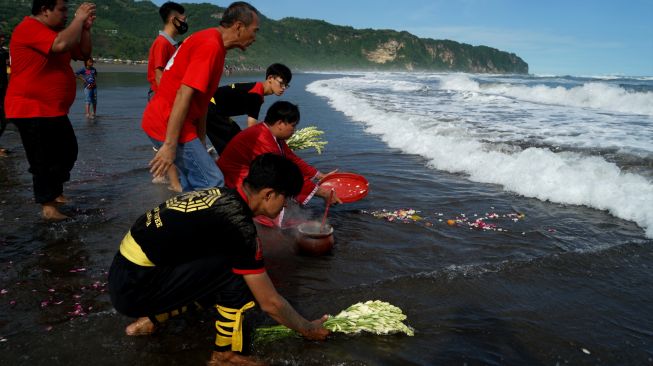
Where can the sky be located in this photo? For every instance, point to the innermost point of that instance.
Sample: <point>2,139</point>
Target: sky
<point>555,37</point>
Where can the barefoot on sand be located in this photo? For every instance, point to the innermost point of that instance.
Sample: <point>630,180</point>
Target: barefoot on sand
<point>142,326</point>
<point>50,212</point>
<point>61,200</point>
<point>232,358</point>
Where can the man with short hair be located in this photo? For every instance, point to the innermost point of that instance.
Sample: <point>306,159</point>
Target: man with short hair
<point>242,99</point>
<point>41,91</point>
<point>163,47</point>
<point>175,119</point>
<point>200,250</point>
<point>270,136</point>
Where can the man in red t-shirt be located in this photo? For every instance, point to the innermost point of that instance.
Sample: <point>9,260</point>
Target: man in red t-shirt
<point>270,136</point>
<point>175,119</point>
<point>163,47</point>
<point>41,91</point>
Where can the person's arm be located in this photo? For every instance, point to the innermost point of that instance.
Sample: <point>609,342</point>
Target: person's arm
<point>71,37</point>
<point>201,128</point>
<point>251,121</point>
<point>158,72</point>
<point>165,157</point>
<point>327,196</point>
<point>280,310</point>
<point>85,48</point>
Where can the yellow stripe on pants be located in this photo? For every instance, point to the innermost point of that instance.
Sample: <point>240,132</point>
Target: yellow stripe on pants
<point>234,336</point>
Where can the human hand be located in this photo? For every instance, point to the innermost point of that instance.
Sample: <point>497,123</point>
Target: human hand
<point>86,11</point>
<point>89,22</point>
<point>329,195</point>
<point>315,331</point>
<point>163,160</point>
<point>321,175</point>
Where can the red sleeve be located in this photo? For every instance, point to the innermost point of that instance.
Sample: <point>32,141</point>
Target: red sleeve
<point>161,53</point>
<point>256,140</point>
<point>309,188</point>
<point>40,38</point>
<point>202,67</point>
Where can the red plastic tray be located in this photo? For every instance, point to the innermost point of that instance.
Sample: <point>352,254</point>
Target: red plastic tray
<point>349,187</point>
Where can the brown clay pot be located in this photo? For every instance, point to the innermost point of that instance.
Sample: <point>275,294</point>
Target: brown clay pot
<point>312,241</point>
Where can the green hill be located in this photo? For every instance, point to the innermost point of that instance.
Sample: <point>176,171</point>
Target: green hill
<point>125,28</point>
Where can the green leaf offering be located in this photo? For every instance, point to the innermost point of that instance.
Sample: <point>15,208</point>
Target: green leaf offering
<point>376,317</point>
<point>305,138</point>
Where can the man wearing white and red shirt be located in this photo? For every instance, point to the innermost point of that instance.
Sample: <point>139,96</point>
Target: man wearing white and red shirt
<point>164,45</point>
<point>175,119</point>
<point>162,49</point>
<point>41,91</point>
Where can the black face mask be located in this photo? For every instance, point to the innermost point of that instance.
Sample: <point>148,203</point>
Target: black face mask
<point>182,27</point>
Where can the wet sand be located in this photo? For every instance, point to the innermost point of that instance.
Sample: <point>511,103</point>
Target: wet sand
<point>562,284</point>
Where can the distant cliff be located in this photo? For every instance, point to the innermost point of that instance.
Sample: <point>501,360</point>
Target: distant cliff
<point>125,28</point>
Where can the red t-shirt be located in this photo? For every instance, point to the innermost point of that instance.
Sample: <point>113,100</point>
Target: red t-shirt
<point>256,140</point>
<point>42,83</point>
<point>197,63</point>
<point>160,53</point>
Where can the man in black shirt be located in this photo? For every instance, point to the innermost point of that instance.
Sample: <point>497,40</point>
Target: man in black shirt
<point>242,99</point>
<point>200,249</point>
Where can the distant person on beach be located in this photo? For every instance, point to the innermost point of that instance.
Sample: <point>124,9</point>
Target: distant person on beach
<point>270,136</point>
<point>42,89</point>
<point>162,49</point>
<point>88,75</point>
<point>242,99</point>
<point>200,250</point>
<point>4,81</point>
<point>175,119</point>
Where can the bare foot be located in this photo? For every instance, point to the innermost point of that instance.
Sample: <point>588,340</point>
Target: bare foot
<point>3,152</point>
<point>50,213</point>
<point>61,199</point>
<point>228,358</point>
<point>175,187</point>
<point>142,326</point>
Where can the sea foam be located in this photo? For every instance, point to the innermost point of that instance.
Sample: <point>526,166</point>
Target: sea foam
<point>562,177</point>
<point>597,95</point>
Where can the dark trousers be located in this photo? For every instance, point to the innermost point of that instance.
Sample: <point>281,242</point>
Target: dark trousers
<point>3,119</point>
<point>51,148</point>
<point>138,291</point>
<point>220,129</point>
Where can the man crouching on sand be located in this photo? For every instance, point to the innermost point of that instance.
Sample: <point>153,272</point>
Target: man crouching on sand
<point>166,265</point>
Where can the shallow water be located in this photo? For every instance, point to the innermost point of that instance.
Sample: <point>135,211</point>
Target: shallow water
<point>558,284</point>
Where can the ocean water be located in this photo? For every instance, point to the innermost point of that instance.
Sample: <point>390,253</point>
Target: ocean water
<point>567,140</point>
<point>510,217</point>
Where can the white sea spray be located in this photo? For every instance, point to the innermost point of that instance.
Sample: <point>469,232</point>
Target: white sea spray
<point>463,128</point>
